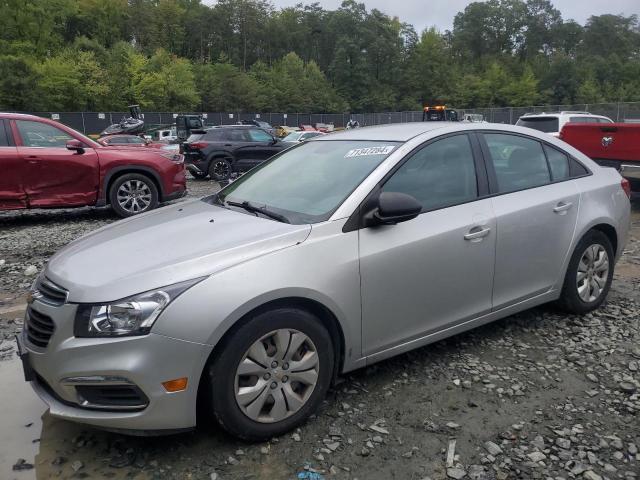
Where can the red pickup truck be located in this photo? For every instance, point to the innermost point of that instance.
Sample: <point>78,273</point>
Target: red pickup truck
<point>612,145</point>
<point>44,164</point>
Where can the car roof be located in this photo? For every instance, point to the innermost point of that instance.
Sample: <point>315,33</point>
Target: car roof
<point>559,114</point>
<point>396,132</point>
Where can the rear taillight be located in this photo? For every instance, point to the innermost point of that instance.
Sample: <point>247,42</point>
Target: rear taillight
<point>197,145</point>
<point>626,186</point>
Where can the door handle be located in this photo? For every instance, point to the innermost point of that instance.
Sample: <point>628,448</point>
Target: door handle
<point>475,234</point>
<point>562,207</point>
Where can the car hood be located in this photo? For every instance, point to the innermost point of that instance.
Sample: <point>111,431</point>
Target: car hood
<point>166,246</point>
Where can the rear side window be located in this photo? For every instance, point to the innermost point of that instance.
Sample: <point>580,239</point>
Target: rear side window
<point>558,162</point>
<point>519,162</point>
<point>4,141</point>
<point>136,140</point>
<point>442,174</point>
<point>583,120</point>
<point>40,134</point>
<point>543,124</point>
<point>238,135</point>
<point>214,135</point>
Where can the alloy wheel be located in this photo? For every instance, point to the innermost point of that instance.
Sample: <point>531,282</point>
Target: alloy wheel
<point>221,169</point>
<point>276,376</point>
<point>593,272</point>
<point>134,196</point>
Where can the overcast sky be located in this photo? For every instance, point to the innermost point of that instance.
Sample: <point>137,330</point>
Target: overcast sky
<point>440,13</point>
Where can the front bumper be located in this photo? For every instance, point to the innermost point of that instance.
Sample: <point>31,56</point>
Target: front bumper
<point>144,361</point>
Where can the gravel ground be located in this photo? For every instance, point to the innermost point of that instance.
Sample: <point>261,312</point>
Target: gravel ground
<point>537,395</point>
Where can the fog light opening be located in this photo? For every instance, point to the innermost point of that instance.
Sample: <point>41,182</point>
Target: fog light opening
<point>175,385</point>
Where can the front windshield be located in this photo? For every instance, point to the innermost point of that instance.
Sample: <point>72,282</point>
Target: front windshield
<point>306,184</point>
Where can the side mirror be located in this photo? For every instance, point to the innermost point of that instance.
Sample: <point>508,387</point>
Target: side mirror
<point>75,145</point>
<point>395,207</point>
<point>274,140</point>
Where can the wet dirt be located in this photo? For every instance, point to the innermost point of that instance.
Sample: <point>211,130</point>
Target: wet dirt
<point>516,382</point>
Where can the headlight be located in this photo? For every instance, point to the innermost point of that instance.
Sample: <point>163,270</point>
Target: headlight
<point>174,157</point>
<point>127,317</point>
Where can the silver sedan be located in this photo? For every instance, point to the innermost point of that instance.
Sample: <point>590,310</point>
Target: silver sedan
<point>333,255</point>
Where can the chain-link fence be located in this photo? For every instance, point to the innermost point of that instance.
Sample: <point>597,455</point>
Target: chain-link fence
<point>92,123</point>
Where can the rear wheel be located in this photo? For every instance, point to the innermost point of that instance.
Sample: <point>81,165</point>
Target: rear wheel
<point>589,274</point>
<point>220,169</point>
<point>271,374</point>
<point>132,194</point>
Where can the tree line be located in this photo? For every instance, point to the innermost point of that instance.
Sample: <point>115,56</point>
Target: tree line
<point>246,55</point>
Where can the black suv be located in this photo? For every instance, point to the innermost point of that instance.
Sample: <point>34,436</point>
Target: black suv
<point>220,151</point>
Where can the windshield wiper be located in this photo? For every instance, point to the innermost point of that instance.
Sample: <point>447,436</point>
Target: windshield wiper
<point>249,207</point>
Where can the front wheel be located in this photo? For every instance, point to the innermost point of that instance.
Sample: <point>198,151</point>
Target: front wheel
<point>589,274</point>
<point>132,194</point>
<point>271,374</point>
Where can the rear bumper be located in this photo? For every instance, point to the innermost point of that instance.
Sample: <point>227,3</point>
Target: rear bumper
<point>629,170</point>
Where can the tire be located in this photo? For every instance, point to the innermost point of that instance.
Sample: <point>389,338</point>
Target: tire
<point>133,193</point>
<point>593,258</point>
<point>220,169</point>
<point>244,401</point>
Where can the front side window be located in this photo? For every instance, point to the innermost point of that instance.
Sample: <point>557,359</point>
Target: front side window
<point>38,134</point>
<point>117,141</point>
<point>320,176</point>
<point>519,162</point>
<point>259,135</point>
<point>441,174</point>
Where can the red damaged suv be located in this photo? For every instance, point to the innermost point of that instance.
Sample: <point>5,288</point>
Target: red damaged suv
<point>44,164</point>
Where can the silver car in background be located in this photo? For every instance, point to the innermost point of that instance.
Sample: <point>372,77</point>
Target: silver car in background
<point>335,254</point>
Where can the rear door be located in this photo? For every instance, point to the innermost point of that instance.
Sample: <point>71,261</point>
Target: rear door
<point>12,194</point>
<point>536,207</point>
<point>53,175</point>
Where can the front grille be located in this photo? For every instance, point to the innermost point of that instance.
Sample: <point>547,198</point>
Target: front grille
<point>48,292</point>
<point>39,328</point>
<point>115,396</point>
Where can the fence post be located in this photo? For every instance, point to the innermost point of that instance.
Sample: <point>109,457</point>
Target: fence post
<point>618,113</point>
<point>84,129</point>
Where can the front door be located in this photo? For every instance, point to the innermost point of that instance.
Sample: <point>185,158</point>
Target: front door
<point>260,149</point>
<point>53,175</point>
<point>12,194</point>
<point>536,209</point>
<point>432,272</point>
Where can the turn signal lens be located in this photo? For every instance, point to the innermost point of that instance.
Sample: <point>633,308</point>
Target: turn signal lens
<point>176,385</point>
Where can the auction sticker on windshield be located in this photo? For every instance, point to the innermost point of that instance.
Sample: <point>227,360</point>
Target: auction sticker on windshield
<point>361,152</point>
